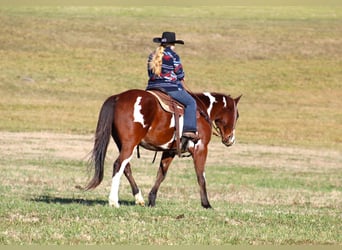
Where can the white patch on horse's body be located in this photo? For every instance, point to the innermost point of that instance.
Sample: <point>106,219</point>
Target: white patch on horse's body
<point>225,102</point>
<point>199,145</point>
<point>181,124</point>
<point>172,122</point>
<point>137,115</point>
<point>173,125</point>
<point>212,101</point>
<point>166,145</point>
<point>114,192</point>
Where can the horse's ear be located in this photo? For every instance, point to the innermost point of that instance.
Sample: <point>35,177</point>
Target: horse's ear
<point>237,99</point>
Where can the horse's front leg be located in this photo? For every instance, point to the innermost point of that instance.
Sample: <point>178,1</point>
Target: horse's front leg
<point>199,154</point>
<point>118,169</point>
<point>165,162</point>
<point>139,200</point>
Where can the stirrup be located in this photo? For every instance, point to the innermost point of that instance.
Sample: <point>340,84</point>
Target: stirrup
<point>191,136</point>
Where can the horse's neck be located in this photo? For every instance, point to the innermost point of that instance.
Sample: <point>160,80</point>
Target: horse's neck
<point>213,103</point>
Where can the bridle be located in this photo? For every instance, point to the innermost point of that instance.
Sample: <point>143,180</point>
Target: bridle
<point>217,131</point>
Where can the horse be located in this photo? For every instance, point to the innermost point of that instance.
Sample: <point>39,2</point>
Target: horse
<point>135,118</point>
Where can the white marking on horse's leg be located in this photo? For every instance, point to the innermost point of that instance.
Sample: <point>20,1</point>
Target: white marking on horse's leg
<point>212,101</point>
<point>137,115</point>
<point>114,192</point>
<point>139,200</point>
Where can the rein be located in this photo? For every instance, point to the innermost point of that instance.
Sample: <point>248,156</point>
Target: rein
<point>216,130</point>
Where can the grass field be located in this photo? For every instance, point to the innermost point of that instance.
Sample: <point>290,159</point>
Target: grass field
<point>280,184</point>
<point>260,194</point>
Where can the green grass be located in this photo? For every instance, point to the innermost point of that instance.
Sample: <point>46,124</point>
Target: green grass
<point>267,202</point>
<point>40,204</point>
<point>95,224</point>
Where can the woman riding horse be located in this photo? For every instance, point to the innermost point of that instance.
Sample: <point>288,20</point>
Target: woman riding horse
<point>165,72</point>
<point>135,118</point>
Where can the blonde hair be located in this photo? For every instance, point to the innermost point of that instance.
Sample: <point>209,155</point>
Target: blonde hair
<point>156,63</point>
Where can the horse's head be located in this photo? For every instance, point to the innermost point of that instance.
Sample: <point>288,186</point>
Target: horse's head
<point>226,121</point>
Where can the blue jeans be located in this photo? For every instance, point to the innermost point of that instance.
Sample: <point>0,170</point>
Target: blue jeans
<point>190,121</point>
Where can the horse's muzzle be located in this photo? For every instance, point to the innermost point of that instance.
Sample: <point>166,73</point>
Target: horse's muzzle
<point>229,140</point>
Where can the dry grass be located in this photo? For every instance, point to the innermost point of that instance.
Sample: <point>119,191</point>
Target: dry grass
<point>59,64</point>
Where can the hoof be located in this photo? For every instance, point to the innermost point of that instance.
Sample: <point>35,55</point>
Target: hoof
<point>114,204</point>
<point>139,200</point>
<point>151,205</point>
<point>140,203</point>
<point>207,206</point>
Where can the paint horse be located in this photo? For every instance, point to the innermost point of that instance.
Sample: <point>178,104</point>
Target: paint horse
<point>135,118</point>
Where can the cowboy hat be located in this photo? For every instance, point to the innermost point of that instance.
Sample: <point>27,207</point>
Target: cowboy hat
<point>167,37</point>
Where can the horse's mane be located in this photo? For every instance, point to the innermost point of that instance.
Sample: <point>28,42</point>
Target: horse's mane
<point>201,106</point>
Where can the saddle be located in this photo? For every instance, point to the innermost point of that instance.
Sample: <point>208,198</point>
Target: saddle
<point>167,102</point>
<point>174,107</point>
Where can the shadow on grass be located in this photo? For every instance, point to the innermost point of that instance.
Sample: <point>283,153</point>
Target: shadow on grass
<point>65,201</point>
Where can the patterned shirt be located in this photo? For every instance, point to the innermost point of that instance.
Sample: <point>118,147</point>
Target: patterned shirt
<point>171,74</point>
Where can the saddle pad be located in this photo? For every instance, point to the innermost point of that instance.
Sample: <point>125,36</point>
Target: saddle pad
<point>167,102</point>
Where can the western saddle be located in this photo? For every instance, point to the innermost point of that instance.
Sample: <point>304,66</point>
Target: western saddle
<point>174,107</point>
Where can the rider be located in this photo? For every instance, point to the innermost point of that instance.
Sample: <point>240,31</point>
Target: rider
<point>165,72</point>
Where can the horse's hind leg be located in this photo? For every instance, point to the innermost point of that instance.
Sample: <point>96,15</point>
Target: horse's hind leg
<point>165,162</point>
<point>118,169</point>
<point>139,200</point>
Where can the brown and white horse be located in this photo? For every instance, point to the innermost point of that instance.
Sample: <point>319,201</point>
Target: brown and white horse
<point>135,117</point>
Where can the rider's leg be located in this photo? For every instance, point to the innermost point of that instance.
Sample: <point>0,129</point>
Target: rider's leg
<point>190,120</point>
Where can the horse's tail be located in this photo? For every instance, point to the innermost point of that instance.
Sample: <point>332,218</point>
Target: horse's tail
<point>102,136</point>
